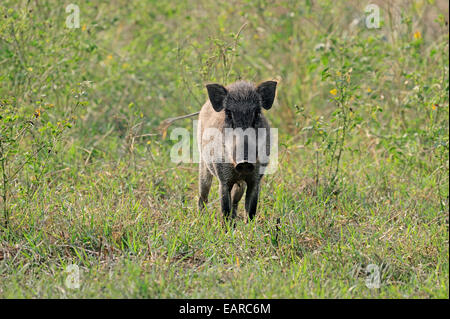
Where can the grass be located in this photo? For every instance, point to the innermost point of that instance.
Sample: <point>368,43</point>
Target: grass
<point>91,183</point>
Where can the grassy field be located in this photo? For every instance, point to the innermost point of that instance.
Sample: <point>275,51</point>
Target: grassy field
<point>85,170</point>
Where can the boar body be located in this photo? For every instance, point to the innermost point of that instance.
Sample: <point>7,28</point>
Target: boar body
<point>236,109</point>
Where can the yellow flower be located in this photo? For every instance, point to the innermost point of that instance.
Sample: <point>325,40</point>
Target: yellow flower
<point>369,90</point>
<point>417,35</point>
<point>434,106</point>
<point>37,113</point>
<point>333,91</point>
<point>108,59</point>
<point>30,69</point>
<point>83,28</point>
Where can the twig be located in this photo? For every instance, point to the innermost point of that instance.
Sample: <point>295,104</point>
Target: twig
<point>236,39</point>
<point>167,122</point>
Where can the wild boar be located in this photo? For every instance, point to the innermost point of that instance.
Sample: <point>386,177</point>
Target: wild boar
<point>230,131</point>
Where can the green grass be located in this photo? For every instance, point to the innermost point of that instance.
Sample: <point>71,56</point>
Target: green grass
<point>91,182</point>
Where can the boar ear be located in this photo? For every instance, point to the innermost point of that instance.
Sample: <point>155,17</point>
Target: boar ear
<point>267,92</point>
<point>217,94</point>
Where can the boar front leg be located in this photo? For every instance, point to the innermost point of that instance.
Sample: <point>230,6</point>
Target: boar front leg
<point>251,198</point>
<point>225,199</point>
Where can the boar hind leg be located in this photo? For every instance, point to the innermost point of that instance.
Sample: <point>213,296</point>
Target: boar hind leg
<point>251,199</point>
<point>204,183</point>
<point>236,194</point>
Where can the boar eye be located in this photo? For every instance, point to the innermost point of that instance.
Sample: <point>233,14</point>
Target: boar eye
<point>255,118</point>
<point>229,117</point>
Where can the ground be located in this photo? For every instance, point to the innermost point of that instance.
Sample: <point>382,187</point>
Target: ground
<point>358,205</point>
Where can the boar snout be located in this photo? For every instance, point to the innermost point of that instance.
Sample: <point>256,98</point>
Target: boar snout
<point>245,154</point>
<point>244,167</point>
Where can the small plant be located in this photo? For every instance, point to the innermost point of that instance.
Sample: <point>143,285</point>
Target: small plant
<point>343,115</point>
<point>329,136</point>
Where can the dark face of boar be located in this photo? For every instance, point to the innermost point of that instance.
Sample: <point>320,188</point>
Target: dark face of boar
<point>242,103</point>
